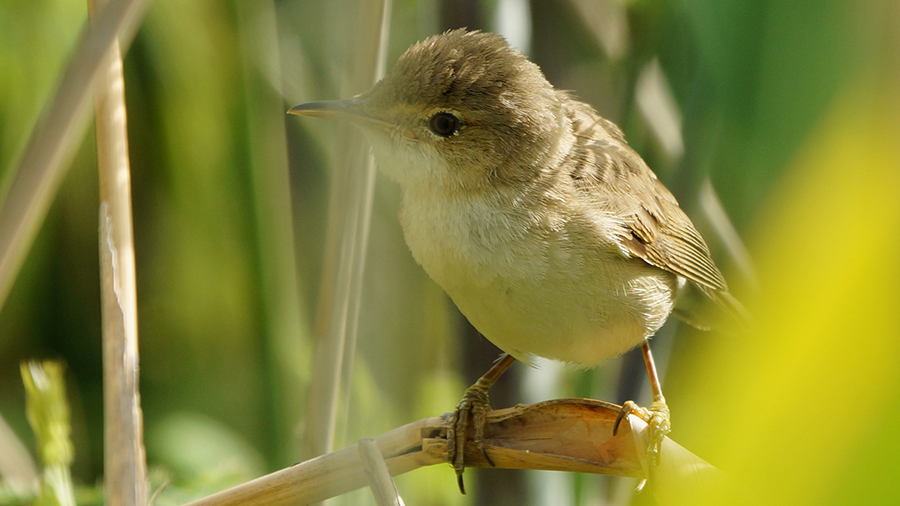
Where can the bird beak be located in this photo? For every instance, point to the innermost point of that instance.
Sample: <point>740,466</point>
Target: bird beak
<point>350,109</point>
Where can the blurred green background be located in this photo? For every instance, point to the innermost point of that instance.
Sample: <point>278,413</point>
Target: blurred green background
<point>791,110</point>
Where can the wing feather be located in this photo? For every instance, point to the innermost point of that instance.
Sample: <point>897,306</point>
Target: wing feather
<point>657,229</point>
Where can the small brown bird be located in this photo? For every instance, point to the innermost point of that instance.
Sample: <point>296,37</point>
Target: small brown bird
<point>547,230</point>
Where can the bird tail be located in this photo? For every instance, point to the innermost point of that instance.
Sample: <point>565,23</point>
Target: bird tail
<point>729,314</point>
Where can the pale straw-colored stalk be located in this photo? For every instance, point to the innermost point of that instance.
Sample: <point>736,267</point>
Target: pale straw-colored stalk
<point>44,161</point>
<point>348,228</point>
<point>125,466</point>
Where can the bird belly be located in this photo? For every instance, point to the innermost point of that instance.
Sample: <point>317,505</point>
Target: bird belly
<point>546,288</point>
<point>583,320</point>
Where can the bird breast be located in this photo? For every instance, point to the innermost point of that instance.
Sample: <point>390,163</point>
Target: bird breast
<point>536,278</point>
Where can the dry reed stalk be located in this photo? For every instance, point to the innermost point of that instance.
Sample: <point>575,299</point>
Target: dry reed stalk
<point>573,435</point>
<point>58,131</point>
<point>349,213</point>
<point>125,466</point>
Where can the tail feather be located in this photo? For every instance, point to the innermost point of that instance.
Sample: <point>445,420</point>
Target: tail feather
<point>729,314</point>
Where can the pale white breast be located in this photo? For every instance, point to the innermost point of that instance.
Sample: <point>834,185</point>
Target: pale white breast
<point>536,281</point>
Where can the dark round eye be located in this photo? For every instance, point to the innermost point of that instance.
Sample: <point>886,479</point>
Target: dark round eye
<point>444,124</point>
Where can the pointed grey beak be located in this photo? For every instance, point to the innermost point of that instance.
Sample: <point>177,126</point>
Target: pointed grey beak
<point>350,109</point>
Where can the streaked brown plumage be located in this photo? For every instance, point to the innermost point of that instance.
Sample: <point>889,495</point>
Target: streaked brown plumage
<point>547,230</point>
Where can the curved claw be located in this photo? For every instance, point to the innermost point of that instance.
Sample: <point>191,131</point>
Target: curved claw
<point>658,421</point>
<point>475,403</point>
<point>660,424</point>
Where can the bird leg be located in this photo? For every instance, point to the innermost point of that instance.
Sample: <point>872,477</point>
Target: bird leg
<point>474,403</point>
<point>656,416</point>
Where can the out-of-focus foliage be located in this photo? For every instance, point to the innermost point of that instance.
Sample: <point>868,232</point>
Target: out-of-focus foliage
<point>47,410</point>
<point>804,403</point>
<point>790,109</point>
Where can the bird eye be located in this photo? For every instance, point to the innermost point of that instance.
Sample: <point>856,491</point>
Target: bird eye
<point>444,124</point>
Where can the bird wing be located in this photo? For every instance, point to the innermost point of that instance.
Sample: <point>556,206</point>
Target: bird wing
<point>662,235</point>
<point>656,229</point>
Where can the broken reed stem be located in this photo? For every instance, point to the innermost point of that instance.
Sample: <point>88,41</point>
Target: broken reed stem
<point>57,132</point>
<point>564,435</point>
<point>125,467</point>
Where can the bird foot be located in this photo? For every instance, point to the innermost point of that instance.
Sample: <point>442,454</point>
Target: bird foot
<point>659,424</point>
<point>474,406</point>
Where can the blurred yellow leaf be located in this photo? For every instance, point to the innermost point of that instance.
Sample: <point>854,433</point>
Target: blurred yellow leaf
<point>802,390</point>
